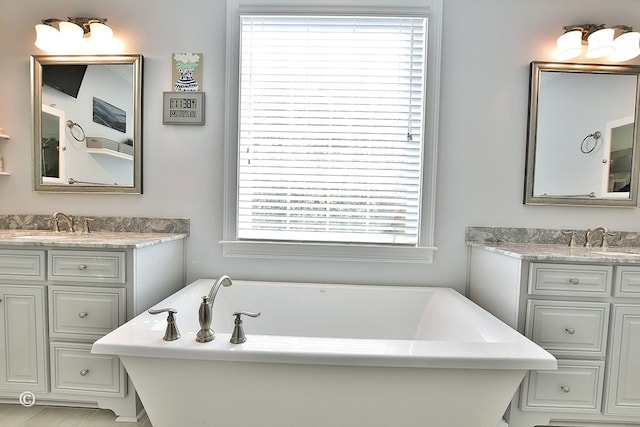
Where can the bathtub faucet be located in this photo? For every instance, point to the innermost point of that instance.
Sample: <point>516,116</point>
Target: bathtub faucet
<point>206,334</point>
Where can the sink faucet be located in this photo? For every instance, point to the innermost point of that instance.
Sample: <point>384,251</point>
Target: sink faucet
<point>206,334</point>
<point>588,238</point>
<point>67,219</point>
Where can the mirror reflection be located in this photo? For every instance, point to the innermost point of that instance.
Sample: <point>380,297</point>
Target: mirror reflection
<point>582,135</point>
<point>87,125</point>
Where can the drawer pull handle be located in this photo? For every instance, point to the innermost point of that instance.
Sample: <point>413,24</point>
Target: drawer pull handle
<point>82,267</point>
<point>570,331</point>
<point>83,314</point>
<point>574,281</point>
<point>84,372</point>
<point>565,388</point>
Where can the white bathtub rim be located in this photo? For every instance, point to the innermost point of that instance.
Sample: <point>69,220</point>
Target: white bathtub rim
<point>142,336</point>
<point>331,351</point>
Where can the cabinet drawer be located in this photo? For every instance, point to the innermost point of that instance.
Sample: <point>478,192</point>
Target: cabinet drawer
<point>575,387</point>
<point>566,328</point>
<point>85,313</point>
<point>82,266</point>
<point>627,281</point>
<point>74,369</point>
<point>22,265</point>
<point>570,279</point>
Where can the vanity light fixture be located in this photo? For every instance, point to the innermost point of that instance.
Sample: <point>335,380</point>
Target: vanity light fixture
<point>601,41</point>
<point>74,35</point>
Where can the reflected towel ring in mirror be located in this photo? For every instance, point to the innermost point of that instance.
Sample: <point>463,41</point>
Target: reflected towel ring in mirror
<point>596,137</point>
<point>76,131</point>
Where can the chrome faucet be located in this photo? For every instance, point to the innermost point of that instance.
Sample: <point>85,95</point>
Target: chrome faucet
<point>588,238</point>
<point>67,219</point>
<point>206,334</point>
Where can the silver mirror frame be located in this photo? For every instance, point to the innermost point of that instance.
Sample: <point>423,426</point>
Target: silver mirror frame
<point>37,61</point>
<point>536,68</point>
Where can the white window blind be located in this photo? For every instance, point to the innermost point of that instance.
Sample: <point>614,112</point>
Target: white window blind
<point>331,128</point>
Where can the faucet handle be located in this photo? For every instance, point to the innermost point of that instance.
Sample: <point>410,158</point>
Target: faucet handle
<point>573,238</point>
<point>246,313</point>
<point>172,333</point>
<point>85,225</point>
<point>238,337</point>
<point>54,223</point>
<point>605,238</point>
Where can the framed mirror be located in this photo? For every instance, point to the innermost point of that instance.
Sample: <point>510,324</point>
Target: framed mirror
<point>582,146</point>
<point>87,116</point>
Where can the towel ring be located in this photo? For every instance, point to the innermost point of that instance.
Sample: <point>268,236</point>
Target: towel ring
<point>76,133</point>
<point>596,137</point>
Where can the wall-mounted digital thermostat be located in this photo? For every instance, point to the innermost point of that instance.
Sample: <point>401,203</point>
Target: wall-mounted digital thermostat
<point>183,108</point>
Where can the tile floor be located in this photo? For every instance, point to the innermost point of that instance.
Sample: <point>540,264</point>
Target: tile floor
<point>50,416</point>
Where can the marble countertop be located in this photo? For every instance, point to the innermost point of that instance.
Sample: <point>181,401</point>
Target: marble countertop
<point>557,252</point>
<point>96,239</point>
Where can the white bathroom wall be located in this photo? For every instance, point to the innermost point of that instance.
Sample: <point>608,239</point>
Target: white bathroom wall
<point>487,48</point>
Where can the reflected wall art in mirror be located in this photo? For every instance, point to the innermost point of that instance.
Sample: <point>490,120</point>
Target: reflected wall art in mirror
<point>87,115</point>
<point>582,146</point>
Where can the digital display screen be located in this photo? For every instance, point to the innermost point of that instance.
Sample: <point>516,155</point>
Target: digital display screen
<point>182,113</point>
<point>183,108</point>
<point>183,103</point>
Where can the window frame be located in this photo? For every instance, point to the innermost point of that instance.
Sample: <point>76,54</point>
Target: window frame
<point>423,252</point>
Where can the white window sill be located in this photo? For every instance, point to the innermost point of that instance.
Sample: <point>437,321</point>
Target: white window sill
<point>328,252</point>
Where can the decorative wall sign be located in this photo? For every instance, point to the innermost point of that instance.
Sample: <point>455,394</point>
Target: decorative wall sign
<point>187,72</point>
<point>183,108</point>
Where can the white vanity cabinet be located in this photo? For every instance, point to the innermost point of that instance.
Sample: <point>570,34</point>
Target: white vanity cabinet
<point>22,321</point>
<point>56,300</point>
<point>587,314</point>
<point>23,339</point>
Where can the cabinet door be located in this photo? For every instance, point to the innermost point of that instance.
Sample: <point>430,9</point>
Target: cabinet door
<point>624,376</point>
<point>23,349</point>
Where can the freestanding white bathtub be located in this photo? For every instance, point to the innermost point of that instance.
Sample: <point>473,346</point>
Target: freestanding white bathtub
<point>326,356</point>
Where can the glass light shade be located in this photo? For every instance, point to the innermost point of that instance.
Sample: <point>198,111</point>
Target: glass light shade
<point>100,32</point>
<point>569,45</point>
<point>600,43</point>
<point>627,46</point>
<point>70,35</point>
<point>47,37</point>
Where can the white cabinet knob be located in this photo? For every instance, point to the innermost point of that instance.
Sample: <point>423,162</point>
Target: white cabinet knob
<point>565,388</point>
<point>84,372</point>
<point>574,281</point>
<point>570,331</point>
<point>83,314</point>
<point>82,267</point>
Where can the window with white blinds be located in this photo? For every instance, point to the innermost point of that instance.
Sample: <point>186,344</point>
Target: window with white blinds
<point>330,128</point>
